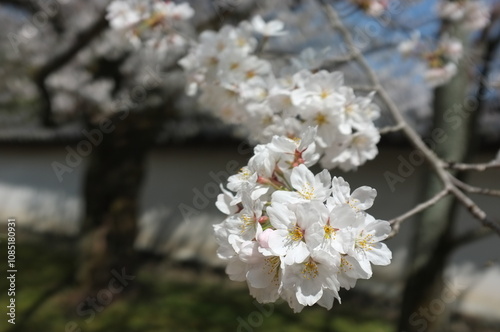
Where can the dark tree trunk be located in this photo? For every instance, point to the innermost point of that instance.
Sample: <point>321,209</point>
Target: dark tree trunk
<point>112,185</point>
<point>426,302</point>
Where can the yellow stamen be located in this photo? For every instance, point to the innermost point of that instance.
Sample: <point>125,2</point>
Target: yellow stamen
<point>250,74</point>
<point>329,232</point>
<point>272,267</point>
<point>248,222</point>
<point>324,94</point>
<point>296,234</point>
<point>310,270</point>
<point>320,119</point>
<point>365,242</point>
<point>345,265</point>
<point>244,173</point>
<point>307,191</point>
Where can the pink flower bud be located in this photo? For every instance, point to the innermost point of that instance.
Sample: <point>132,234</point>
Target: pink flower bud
<point>263,180</point>
<point>263,219</point>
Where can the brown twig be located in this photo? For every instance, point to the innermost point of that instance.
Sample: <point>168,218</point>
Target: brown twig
<point>390,129</point>
<point>439,166</point>
<point>475,190</point>
<point>473,167</point>
<point>396,222</point>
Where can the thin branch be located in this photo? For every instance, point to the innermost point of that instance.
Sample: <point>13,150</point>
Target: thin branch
<point>390,129</point>
<point>338,61</point>
<point>433,160</point>
<point>475,190</point>
<point>61,59</point>
<point>412,135</point>
<point>474,209</point>
<point>396,222</point>
<point>473,167</point>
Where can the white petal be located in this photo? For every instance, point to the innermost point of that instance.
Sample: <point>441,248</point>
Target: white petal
<point>280,216</point>
<point>381,228</point>
<point>380,254</point>
<point>363,197</point>
<point>309,292</point>
<point>328,298</point>
<point>297,254</point>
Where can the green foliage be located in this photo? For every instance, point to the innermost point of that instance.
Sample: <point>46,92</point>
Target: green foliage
<point>162,299</point>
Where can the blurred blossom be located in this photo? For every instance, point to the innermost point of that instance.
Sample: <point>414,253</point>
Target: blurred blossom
<point>99,92</point>
<point>240,88</point>
<point>451,48</point>
<point>441,61</point>
<point>440,75</point>
<point>268,29</point>
<point>154,23</point>
<point>124,13</point>
<point>372,7</point>
<point>473,15</point>
<point>309,58</point>
<point>410,46</point>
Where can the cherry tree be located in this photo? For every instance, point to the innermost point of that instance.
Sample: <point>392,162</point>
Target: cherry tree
<point>299,236</point>
<point>290,232</point>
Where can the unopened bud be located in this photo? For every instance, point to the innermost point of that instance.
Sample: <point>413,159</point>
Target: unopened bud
<point>263,180</point>
<point>263,219</point>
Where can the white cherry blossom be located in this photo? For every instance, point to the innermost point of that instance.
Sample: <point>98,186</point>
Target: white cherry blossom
<point>306,237</point>
<point>287,240</point>
<point>311,277</point>
<point>268,29</point>
<point>360,199</point>
<point>367,246</point>
<point>308,187</point>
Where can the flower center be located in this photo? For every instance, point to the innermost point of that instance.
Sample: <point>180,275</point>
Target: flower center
<point>321,119</point>
<point>358,140</point>
<point>250,74</point>
<point>248,222</point>
<point>329,231</point>
<point>365,242</point>
<point>307,191</point>
<point>345,265</point>
<point>272,267</point>
<point>244,173</point>
<point>296,234</point>
<point>310,270</point>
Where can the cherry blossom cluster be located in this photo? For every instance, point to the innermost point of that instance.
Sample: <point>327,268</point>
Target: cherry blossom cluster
<point>294,235</point>
<point>242,88</point>
<point>441,60</point>
<point>472,14</point>
<point>154,23</point>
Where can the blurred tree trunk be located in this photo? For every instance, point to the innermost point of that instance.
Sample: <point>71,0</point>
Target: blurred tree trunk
<point>111,189</point>
<point>427,297</point>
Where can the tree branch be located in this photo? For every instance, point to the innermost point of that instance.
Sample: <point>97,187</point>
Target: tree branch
<point>473,167</point>
<point>396,222</point>
<point>475,190</point>
<point>59,60</point>
<point>390,129</point>
<point>432,159</point>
